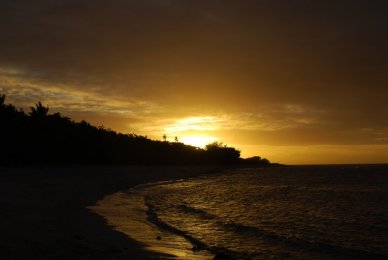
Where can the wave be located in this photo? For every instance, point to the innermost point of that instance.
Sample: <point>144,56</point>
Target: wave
<point>292,243</point>
<point>195,211</point>
<point>301,244</point>
<point>152,217</point>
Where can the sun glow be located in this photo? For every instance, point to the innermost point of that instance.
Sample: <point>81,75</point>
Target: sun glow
<point>196,130</point>
<point>198,141</point>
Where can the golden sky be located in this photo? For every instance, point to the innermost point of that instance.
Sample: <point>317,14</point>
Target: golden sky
<point>294,81</point>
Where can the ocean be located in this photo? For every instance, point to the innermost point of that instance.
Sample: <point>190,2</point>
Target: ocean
<point>300,212</point>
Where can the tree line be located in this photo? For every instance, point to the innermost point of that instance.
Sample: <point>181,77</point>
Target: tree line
<point>39,138</point>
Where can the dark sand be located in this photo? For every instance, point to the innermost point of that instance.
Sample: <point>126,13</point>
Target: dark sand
<point>44,211</point>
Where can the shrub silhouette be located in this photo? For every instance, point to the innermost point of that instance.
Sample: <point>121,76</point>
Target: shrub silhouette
<point>219,152</point>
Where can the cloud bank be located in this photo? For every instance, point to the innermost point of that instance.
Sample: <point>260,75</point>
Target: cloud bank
<point>262,72</point>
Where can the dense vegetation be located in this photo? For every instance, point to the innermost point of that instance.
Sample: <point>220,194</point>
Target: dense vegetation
<point>42,138</point>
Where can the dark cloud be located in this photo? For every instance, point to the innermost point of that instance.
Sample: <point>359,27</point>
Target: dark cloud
<point>230,56</point>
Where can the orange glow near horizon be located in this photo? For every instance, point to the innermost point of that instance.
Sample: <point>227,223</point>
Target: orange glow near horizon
<point>194,130</point>
<point>198,141</point>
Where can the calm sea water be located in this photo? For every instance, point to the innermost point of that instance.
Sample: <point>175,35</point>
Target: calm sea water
<point>308,212</point>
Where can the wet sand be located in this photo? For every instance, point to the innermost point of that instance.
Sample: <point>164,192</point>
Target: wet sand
<point>44,212</point>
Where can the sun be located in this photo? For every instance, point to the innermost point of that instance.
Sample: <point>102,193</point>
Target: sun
<point>198,141</point>
<point>193,130</point>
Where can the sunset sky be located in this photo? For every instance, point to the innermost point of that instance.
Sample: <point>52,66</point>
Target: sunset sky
<point>296,81</point>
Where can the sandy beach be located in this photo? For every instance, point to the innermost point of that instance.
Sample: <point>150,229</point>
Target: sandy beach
<point>44,212</point>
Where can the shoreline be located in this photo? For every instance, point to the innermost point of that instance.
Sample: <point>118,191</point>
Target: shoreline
<point>46,215</point>
<point>125,210</point>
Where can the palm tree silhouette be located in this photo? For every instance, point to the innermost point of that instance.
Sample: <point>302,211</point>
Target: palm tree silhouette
<point>39,110</point>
